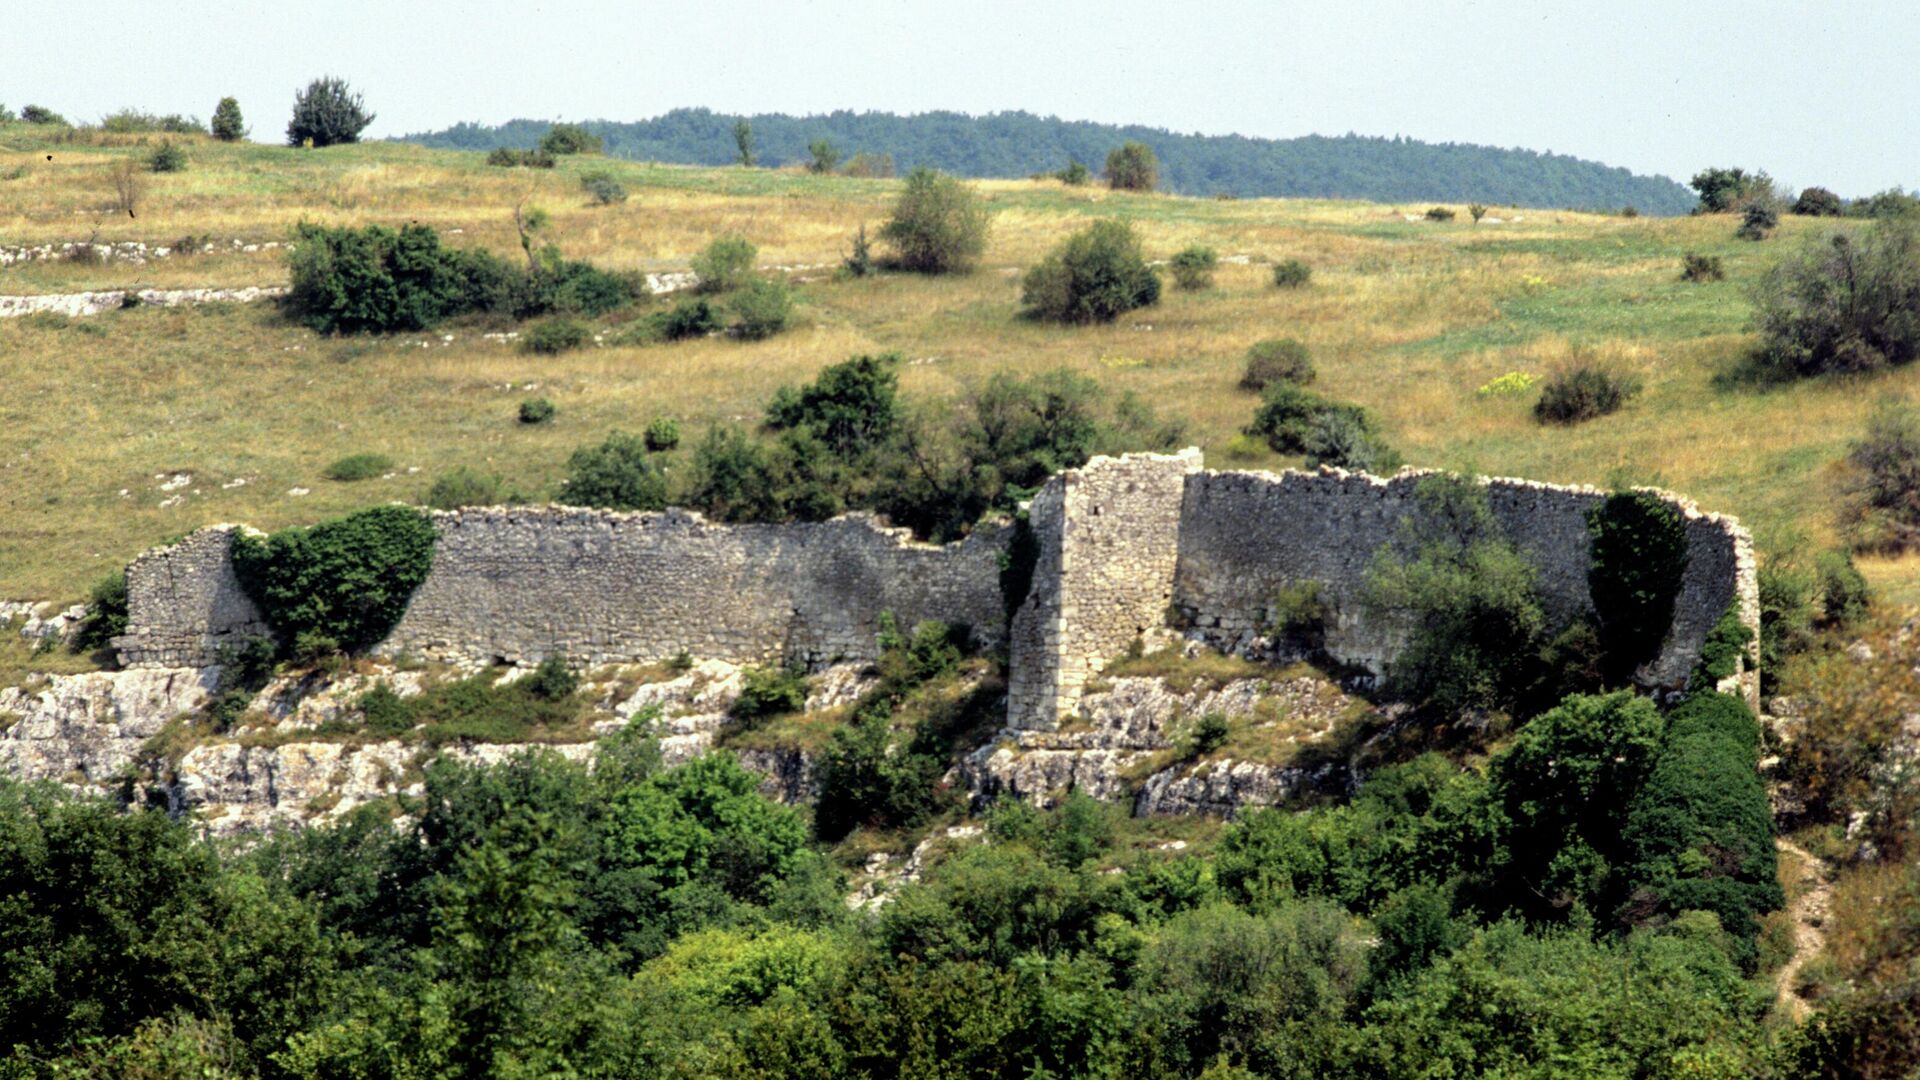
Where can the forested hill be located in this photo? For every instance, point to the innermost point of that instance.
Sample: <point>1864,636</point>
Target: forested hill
<point>1019,144</point>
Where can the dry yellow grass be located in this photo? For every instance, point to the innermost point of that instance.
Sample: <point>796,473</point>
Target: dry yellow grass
<point>1406,318</point>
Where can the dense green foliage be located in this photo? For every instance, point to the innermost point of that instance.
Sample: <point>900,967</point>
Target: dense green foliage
<point>725,265</point>
<point>1277,360</point>
<point>618,474</point>
<point>938,225</point>
<point>1638,553</point>
<point>1843,304</point>
<point>1096,275</point>
<point>358,467</point>
<point>761,308</point>
<point>1583,391</point>
<point>326,113</point>
<point>1701,268</point>
<point>463,486</point>
<point>562,139</point>
<point>1819,202</point>
<point>1132,166</point>
<point>167,158</point>
<point>227,124</point>
<point>347,580</point>
<point>1291,274</point>
<point>1466,596</point>
<point>1193,267</point>
<point>604,189</point>
<point>1724,191</point>
<point>550,337</point>
<point>536,411</point>
<point>1882,506</point>
<point>106,613</point>
<point>1387,170</point>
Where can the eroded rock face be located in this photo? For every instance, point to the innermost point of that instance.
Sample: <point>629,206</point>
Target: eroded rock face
<point>1228,787</point>
<point>86,730</point>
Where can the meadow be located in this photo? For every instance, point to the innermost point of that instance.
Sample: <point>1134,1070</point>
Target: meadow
<point>101,416</point>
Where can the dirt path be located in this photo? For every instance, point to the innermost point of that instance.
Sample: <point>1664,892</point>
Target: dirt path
<point>1809,911</point>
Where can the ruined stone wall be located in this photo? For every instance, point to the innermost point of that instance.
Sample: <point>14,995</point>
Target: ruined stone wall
<point>1245,535</point>
<point>184,603</point>
<point>524,583</point>
<point>1109,536</point>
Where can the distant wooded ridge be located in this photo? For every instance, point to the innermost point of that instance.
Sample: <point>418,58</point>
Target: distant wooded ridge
<point>1012,144</point>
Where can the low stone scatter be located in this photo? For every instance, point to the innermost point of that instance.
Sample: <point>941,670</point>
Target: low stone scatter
<point>93,303</point>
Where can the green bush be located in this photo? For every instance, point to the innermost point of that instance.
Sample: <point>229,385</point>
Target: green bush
<point>938,225</point>
<point>563,139</point>
<point>1344,438</point>
<point>1892,203</point>
<point>327,112</point>
<point>1095,276</point>
<point>1638,560</point>
<point>1583,391</point>
<point>1193,267</point>
<point>1724,652</point>
<point>377,279</point>
<point>348,579</point>
<point>1074,175</point>
<point>603,187</point>
<point>1695,267</point>
<point>106,613</point>
<point>1132,166</point>
<point>851,406</point>
<point>1842,306</point>
<point>507,157</point>
<point>40,114</point>
<point>769,691</point>
<point>1209,734</point>
<point>1756,221</point>
<point>227,124</point>
<point>859,261</point>
<point>1291,274</point>
<point>1819,202</point>
<point>551,337</point>
<point>358,467</point>
<point>536,411</point>
<point>1723,191</point>
<point>167,158</point>
<point>688,318</point>
<point>552,679</point>
<point>1277,360</point>
<point>139,121</point>
<point>762,308</point>
<point>725,265</point>
<point>1439,213</point>
<point>662,434</point>
<point>616,475</point>
<point>1881,495</point>
<point>1298,615</point>
<point>1466,597</point>
<point>462,486</point>
<point>825,156</point>
<point>1289,414</point>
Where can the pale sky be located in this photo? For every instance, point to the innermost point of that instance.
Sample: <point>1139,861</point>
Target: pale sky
<point>1815,93</point>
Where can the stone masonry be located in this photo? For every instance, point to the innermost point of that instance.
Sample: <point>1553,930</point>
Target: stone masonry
<point>1126,546</point>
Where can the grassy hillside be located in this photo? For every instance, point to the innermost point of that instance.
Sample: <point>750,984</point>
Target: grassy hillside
<point>1021,144</point>
<point>98,415</point>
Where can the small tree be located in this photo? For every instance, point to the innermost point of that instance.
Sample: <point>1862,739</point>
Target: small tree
<point>167,157</point>
<point>1882,507</point>
<point>859,261</point>
<point>40,114</point>
<point>1725,190</point>
<point>1193,268</point>
<point>128,186</point>
<point>1093,277</point>
<point>743,141</point>
<point>1757,221</point>
<point>328,113</point>
<point>227,124</point>
<point>1132,166</point>
<point>1842,306</point>
<point>1291,274</point>
<point>1277,360</point>
<point>1074,175</point>
<point>616,475</point>
<point>1819,202</point>
<point>938,226</point>
<point>562,139</point>
<point>725,265</point>
<point>826,156</point>
<point>1477,211</point>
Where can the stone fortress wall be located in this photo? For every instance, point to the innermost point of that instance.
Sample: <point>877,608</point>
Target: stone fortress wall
<point>1124,546</point>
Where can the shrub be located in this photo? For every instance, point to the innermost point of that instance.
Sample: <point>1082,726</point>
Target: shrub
<point>743,141</point>
<point>604,188</point>
<point>1291,274</point>
<point>688,318</point>
<point>7,116</point>
<point>1695,267</point>
<point>1477,212</point>
<point>1132,166</point>
<point>138,121</point>
<point>1511,384</point>
<point>1193,267</point>
<point>1724,652</point>
<point>507,157</point>
<point>563,139</point>
<point>553,336</point>
<point>873,166</point>
<point>129,187</point>
<point>1757,221</point>
<point>358,467</point>
<point>1439,213</point>
<point>1095,276</point>
<point>1891,203</point>
<point>1819,202</point>
<point>1298,615</point>
<point>1882,494</point>
<point>1343,438</point>
<point>106,613</point>
<point>1287,415</point>
<point>536,411</point>
<point>348,579</point>
<point>826,156</point>
<point>725,265</point>
<point>1074,175</point>
<point>859,261</point>
<point>462,486</point>
<point>227,124</point>
<point>852,406</point>
<point>1466,597</point>
<point>616,475</point>
<point>1277,360</point>
<point>327,113</point>
<point>866,779</point>
<point>167,158</point>
<point>761,308</point>
<point>1843,306</point>
<point>938,225</point>
<point>769,691</point>
<point>40,114</point>
<point>662,434</point>
<point>553,679</point>
<point>377,279</point>
<point>1726,190</point>
<point>1209,734</point>
<point>1583,391</point>
<point>1638,557</point>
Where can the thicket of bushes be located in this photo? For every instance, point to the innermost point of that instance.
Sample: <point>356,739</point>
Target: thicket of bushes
<point>1845,304</point>
<point>326,113</point>
<point>1097,275</point>
<point>1294,420</point>
<point>341,584</point>
<point>938,225</point>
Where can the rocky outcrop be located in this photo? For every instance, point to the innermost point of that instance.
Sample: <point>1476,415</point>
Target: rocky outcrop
<point>87,730</point>
<point>1227,787</point>
<point>93,303</point>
